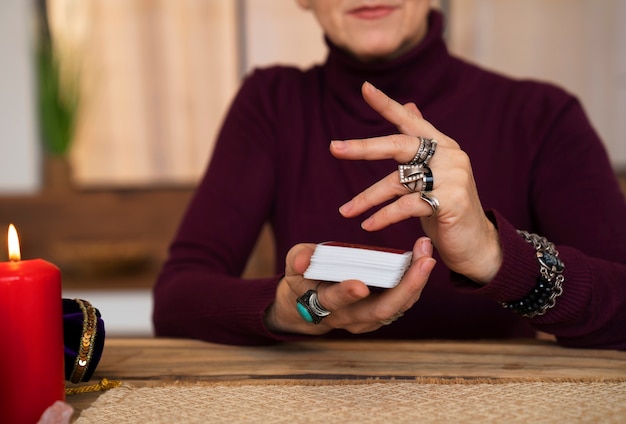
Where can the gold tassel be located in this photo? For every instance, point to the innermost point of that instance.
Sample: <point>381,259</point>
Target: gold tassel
<point>104,384</point>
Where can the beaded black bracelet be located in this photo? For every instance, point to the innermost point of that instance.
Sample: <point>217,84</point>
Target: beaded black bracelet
<point>549,283</point>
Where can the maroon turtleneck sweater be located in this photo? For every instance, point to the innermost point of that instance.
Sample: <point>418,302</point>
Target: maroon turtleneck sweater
<point>537,162</point>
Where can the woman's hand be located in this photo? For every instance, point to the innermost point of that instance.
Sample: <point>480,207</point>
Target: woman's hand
<point>351,304</point>
<point>466,240</point>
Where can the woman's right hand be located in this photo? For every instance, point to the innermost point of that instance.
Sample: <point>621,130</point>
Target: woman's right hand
<point>352,305</point>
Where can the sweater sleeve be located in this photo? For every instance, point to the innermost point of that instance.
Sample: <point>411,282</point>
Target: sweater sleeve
<point>200,293</point>
<point>591,312</point>
<point>577,204</point>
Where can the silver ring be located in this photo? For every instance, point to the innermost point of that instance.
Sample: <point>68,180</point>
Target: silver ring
<point>428,181</point>
<point>411,175</point>
<point>432,201</point>
<point>420,154</point>
<point>410,172</point>
<point>425,151</point>
<point>310,308</point>
<point>416,177</point>
<point>431,151</point>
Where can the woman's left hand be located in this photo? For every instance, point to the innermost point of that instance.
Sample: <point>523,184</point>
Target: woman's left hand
<point>466,240</point>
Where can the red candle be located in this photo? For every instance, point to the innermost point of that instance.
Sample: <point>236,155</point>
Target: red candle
<point>31,337</point>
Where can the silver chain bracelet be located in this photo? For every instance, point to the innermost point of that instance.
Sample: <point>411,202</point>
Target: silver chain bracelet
<point>549,283</point>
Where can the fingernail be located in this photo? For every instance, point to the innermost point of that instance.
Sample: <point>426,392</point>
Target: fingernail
<point>344,209</point>
<point>427,265</point>
<point>369,86</point>
<point>426,246</point>
<point>338,145</point>
<point>368,223</point>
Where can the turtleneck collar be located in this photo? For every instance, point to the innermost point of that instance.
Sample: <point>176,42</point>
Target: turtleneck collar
<point>415,76</point>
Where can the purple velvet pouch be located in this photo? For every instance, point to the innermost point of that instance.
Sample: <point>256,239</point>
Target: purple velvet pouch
<point>83,336</point>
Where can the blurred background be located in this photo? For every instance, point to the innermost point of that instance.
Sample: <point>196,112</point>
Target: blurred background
<point>109,110</point>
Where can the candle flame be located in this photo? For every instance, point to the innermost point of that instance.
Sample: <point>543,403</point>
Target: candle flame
<point>14,244</point>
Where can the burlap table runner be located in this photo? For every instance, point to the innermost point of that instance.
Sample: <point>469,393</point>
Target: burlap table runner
<point>369,401</point>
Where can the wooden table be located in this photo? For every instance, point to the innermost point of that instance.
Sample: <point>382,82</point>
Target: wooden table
<point>148,362</point>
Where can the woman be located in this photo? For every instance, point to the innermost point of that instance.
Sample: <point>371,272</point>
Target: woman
<point>489,156</point>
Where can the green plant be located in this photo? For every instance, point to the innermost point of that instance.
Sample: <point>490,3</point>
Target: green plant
<point>57,103</point>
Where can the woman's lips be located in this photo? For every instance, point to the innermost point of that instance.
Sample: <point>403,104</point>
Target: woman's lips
<point>374,12</point>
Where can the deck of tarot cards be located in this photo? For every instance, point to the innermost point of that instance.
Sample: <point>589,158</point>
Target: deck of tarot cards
<point>375,266</point>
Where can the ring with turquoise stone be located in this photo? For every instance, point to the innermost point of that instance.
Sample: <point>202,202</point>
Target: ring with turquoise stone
<point>310,309</point>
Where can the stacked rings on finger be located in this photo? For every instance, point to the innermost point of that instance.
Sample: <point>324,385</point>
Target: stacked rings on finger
<point>425,151</point>
<point>417,170</point>
<point>310,308</point>
<point>416,176</point>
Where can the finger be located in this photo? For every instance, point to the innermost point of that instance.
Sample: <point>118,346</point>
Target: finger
<point>404,118</point>
<point>381,191</point>
<point>408,291</point>
<point>339,296</point>
<point>405,207</point>
<point>333,296</point>
<point>358,311</point>
<point>297,261</point>
<point>398,147</point>
<point>423,251</point>
<point>374,311</point>
<point>407,204</point>
<point>299,258</point>
<point>412,107</point>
